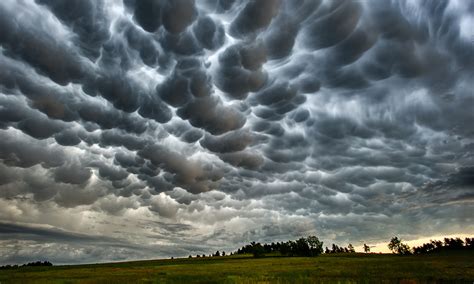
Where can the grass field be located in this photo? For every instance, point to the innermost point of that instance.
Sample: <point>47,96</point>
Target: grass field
<point>348,268</point>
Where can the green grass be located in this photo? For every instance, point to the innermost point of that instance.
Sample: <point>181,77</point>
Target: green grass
<point>344,268</point>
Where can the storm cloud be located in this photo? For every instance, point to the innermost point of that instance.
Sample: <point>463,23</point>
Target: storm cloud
<point>171,127</point>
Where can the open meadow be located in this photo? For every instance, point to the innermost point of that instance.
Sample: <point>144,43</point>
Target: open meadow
<point>340,268</point>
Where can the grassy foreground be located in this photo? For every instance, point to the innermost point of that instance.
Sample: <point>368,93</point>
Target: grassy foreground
<point>344,268</point>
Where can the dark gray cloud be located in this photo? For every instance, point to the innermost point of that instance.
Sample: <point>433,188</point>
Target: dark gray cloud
<point>240,70</point>
<point>338,17</point>
<point>255,16</point>
<point>32,42</point>
<point>74,173</point>
<point>211,115</point>
<point>211,123</point>
<point>146,13</point>
<point>210,34</point>
<point>231,142</point>
<point>86,19</point>
<point>177,15</point>
<point>46,234</point>
<point>21,151</point>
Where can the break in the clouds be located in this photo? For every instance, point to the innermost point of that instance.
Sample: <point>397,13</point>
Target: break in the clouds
<point>152,128</point>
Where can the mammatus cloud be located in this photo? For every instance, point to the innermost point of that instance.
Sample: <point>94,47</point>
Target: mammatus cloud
<point>144,129</point>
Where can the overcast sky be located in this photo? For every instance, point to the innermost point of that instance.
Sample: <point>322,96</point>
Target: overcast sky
<point>150,128</point>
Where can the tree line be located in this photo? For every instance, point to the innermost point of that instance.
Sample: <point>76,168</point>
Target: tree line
<point>310,246</point>
<point>433,246</point>
<point>217,253</point>
<point>337,249</point>
<point>36,263</point>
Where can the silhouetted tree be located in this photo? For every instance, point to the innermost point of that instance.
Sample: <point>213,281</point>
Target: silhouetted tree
<point>455,244</point>
<point>257,249</point>
<point>396,246</point>
<point>366,248</point>
<point>310,246</point>
<point>350,248</point>
<point>315,245</point>
<point>425,248</point>
<point>301,247</point>
<point>469,242</point>
<point>438,245</point>
<point>217,253</point>
<point>36,263</point>
<point>449,244</point>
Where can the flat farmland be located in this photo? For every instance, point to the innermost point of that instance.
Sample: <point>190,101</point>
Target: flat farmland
<point>339,268</point>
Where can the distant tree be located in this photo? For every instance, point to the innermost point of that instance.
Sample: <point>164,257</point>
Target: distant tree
<point>455,244</point>
<point>223,253</point>
<point>350,248</point>
<point>217,253</point>
<point>277,246</point>
<point>404,249</point>
<point>190,256</point>
<point>438,245</point>
<point>327,250</point>
<point>301,247</point>
<point>36,263</point>
<point>267,248</point>
<point>449,244</point>
<point>426,248</point>
<point>396,246</point>
<point>310,246</point>
<point>469,242</point>
<point>285,248</point>
<point>315,245</point>
<point>366,248</point>
<point>292,248</point>
<point>257,249</point>
<point>198,255</point>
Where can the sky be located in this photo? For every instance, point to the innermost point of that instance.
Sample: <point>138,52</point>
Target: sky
<point>142,129</point>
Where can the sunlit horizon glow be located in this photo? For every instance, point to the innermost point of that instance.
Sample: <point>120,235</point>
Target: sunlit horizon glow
<point>383,246</point>
<point>140,129</point>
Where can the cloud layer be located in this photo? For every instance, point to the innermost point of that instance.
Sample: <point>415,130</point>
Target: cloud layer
<point>159,127</point>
